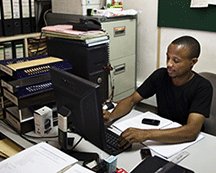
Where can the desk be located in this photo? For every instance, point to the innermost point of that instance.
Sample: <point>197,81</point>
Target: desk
<point>201,158</point>
<point>202,155</point>
<point>12,135</point>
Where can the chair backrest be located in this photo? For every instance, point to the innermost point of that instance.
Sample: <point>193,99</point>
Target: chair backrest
<point>210,123</point>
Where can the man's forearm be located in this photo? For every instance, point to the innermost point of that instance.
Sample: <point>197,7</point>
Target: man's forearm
<point>175,135</point>
<point>122,108</point>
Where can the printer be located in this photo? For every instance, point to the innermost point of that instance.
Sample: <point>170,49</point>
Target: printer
<point>78,7</point>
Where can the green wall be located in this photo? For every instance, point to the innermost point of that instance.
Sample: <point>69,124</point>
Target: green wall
<point>178,14</point>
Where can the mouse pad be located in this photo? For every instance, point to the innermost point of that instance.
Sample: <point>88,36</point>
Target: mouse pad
<point>152,164</point>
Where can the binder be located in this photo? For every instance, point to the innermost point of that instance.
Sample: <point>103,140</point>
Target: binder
<point>18,49</point>
<point>8,50</point>
<point>1,52</point>
<point>16,17</point>
<point>32,15</point>
<point>1,31</point>
<point>7,18</point>
<point>25,16</point>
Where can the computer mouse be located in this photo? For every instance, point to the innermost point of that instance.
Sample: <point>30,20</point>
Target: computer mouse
<point>108,105</point>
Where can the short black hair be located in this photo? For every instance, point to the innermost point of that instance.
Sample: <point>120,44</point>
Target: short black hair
<point>191,43</point>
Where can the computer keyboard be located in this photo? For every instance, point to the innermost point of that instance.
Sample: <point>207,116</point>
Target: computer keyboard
<point>112,143</point>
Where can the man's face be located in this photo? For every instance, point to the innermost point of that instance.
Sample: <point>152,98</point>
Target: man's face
<point>178,63</point>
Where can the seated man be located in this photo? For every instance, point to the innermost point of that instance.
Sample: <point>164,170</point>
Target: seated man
<point>182,96</point>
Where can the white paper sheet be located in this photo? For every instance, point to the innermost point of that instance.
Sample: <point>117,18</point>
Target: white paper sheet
<point>41,157</point>
<point>136,122</point>
<point>199,3</point>
<point>169,150</point>
<point>202,3</point>
<point>165,150</point>
<point>212,2</point>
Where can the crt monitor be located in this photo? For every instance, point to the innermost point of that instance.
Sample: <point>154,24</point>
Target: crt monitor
<point>81,97</point>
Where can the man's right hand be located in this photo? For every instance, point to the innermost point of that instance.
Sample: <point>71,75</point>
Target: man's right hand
<point>107,117</point>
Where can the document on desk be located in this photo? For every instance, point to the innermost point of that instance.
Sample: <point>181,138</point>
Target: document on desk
<point>136,122</point>
<point>169,150</point>
<point>41,157</point>
<point>165,150</point>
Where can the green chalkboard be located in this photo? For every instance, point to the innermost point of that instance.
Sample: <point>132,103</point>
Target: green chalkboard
<point>178,14</point>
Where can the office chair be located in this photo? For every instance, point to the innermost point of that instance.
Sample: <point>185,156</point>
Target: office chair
<point>210,123</point>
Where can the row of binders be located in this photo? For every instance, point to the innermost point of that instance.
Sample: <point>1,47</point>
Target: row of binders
<point>12,50</point>
<point>17,17</point>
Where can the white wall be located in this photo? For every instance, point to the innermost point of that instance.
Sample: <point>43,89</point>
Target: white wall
<point>152,41</point>
<point>146,35</point>
<point>207,59</point>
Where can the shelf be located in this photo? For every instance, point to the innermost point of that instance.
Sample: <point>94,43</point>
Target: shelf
<point>18,37</point>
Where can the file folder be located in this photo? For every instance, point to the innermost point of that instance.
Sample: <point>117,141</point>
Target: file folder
<point>16,17</point>
<point>152,164</point>
<point>32,15</point>
<point>7,18</point>
<point>25,16</point>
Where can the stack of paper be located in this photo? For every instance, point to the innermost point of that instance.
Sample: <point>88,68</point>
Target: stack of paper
<point>41,157</point>
<point>66,31</point>
<point>165,150</point>
<point>169,150</point>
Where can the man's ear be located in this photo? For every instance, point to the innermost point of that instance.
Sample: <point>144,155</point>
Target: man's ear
<point>194,61</point>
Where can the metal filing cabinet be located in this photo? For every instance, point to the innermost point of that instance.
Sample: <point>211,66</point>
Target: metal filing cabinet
<point>122,48</point>
<point>122,55</point>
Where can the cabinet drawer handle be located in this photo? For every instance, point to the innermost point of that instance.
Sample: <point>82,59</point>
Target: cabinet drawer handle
<point>119,31</point>
<point>119,69</point>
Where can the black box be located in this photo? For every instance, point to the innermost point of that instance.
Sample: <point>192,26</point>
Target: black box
<point>87,62</point>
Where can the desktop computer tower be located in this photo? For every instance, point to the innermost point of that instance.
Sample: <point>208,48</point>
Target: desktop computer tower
<point>122,49</point>
<point>87,61</point>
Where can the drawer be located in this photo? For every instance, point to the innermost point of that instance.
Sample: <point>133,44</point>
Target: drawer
<point>122,37</point>
<point>123,74</point>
